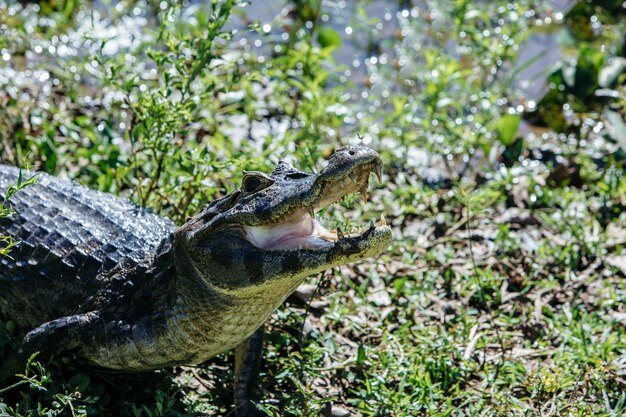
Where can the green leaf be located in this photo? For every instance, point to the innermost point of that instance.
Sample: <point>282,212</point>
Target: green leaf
<point>328,37</point>
<point>586,73</point>
<point>360,356</point>
<point>507,128</point>
<point>446,101</point>
<point>568,74</point>
<point>80,381</point>
<point>616,128</point>
<point>472,14</point>
<point>609,74</point>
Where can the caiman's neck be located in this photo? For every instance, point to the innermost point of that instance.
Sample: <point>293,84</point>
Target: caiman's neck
<point>191,286</point>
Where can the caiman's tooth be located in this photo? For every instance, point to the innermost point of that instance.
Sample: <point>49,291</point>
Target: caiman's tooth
<point>352,178</point>
<point>372,225</point>
<point>379,172</point>
<point>309,209</point>
<point>340,234</point>
<point>382,220</point>
<point>363,193</point>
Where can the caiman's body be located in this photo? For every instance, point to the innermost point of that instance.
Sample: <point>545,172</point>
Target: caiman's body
<point>126,289</point>
<point>108,265</point>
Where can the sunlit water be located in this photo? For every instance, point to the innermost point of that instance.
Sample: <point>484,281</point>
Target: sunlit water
<point>380,40</point>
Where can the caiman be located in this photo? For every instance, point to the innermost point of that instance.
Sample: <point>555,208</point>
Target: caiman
<point>125,289</point>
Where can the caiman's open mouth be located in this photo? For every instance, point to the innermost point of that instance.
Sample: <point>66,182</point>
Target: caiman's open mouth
<point>301,230</point>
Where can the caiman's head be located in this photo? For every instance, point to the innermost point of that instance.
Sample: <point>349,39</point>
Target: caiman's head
<point>266,233</point>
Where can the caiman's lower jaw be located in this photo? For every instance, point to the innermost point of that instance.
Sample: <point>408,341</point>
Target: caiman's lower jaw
<point>299,232</point>
<point>302,231</point>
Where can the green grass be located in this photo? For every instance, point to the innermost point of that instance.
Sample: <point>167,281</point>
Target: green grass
<point>500,295</point>
<point>6,211</point>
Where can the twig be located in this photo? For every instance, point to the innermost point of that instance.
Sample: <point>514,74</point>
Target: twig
<point>201,380</point>
<point>155,178</point>
<point>17,384</point>
<point>69,402</point>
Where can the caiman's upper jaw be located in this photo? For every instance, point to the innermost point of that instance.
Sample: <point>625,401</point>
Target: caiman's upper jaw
<point>300,230</point>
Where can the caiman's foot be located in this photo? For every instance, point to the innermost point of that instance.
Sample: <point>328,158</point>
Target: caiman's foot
<point>247,358</point>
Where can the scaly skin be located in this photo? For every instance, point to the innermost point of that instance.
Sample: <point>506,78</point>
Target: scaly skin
<point>127,290</point>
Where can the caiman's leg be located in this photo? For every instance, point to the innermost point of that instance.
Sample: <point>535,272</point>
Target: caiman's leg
<point>48,339</point>
<point>247,358</point>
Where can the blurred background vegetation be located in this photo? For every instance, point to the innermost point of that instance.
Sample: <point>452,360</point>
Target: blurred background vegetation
<point>501,124</point>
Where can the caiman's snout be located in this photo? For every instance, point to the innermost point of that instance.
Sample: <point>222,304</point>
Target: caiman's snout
<point>347,159</point>
<point>277,211</point>
<point>348,171</point>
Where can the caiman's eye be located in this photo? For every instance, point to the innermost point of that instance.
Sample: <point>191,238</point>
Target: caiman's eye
<point>253,182</point>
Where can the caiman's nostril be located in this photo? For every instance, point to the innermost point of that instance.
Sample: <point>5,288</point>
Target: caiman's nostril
<point>351,153</point>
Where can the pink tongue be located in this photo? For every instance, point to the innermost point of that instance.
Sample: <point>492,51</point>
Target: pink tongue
<point>282,236</point>
<point>298,234</point>
<point>297,242</point>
